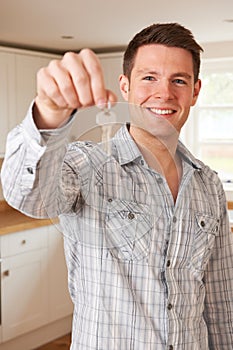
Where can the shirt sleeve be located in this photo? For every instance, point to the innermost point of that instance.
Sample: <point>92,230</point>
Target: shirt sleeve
<point>31,168</point>
<point>219,286</point>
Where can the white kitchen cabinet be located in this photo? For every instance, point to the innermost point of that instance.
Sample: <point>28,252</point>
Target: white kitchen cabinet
<point>34,290</point>
<point>24,289</point>
<point>27,67</point>
<point>18,70</point>
<point>24,282</point>
<point>7,95</point>
<point>112,67</point>
<point>60,304</point>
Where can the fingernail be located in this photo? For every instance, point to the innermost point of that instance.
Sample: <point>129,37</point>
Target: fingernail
<point>101,103</point>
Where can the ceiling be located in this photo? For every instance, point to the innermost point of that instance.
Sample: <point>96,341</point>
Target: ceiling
<point>106,25</point>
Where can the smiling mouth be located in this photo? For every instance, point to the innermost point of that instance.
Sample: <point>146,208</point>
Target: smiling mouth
<point>162,112</point>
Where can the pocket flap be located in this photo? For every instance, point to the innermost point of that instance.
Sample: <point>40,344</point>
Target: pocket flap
<point>208,223</point>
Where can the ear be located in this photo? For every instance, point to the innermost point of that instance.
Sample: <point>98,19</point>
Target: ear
<point>196,91</point>
<point>124,86</point>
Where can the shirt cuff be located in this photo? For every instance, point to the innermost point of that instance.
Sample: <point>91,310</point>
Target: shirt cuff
<point>51,138</point>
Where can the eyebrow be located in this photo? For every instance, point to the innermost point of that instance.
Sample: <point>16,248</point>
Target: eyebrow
<point>178,74</point>
<point>182,74</point>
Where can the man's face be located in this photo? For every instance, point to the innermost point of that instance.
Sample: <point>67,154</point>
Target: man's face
<point>162,82</point>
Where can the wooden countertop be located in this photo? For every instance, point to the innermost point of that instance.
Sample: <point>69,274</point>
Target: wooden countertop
<point>12,220</point>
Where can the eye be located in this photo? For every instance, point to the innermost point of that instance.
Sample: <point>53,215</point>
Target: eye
<point>149,77</point>
<point>180,81</point>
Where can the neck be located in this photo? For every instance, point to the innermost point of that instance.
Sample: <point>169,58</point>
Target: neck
<point>155,149</point>
<point>161,155</point>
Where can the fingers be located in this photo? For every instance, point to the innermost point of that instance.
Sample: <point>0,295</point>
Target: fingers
<point>73,82</point>
<point>54,87</point>
<point>94,78</point>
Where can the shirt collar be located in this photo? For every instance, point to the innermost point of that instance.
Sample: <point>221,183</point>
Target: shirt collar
<point>127,150</point>
<point>188,156</point>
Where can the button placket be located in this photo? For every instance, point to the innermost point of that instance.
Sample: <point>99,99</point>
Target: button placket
<point>168,261</point>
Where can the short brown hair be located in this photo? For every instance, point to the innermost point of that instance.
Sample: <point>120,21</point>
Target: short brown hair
<point>168,34</point>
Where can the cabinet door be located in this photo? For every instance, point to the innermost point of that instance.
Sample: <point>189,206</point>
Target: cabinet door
<point>24,293</point>
<point>24,241</point>
<point>60,304</point>
<point>7,95</point>
<point>17,87</point>
<point>26,69</point>
<point>112,67</point>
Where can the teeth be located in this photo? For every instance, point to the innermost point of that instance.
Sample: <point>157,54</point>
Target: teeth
<point>162,111</point>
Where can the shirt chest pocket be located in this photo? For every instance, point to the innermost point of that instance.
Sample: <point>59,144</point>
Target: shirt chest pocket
<point>128,230</point>
<point>206,230</point>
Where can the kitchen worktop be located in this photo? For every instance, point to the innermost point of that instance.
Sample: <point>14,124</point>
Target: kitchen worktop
<point>12,220</point>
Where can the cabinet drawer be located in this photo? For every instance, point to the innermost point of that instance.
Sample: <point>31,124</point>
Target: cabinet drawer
<point>23,241</point>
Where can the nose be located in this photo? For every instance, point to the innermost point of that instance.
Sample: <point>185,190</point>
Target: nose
<point>164,90</point>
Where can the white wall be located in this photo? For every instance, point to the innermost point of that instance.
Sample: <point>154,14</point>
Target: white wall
<point>218,49</point>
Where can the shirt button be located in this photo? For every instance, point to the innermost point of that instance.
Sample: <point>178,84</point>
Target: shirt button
<point>30,170</point>
<point>168,263</point>
<point>169,306</point>
<point>171,347</point>
<point>160,180</point>
<point>174,219</point>
<point>131,216</point>
<point>202,223</point>
<point>109,200</point>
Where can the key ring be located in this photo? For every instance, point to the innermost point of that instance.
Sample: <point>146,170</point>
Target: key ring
<point>106,119</point>
<point>106,115</point>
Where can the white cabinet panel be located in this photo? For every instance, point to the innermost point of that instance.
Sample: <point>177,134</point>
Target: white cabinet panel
<point>24,241</point>
<point>34,286</point>
<point>18,69</point>
<point>27,67</point>
<point>7,95</point>
<point>24,293</point>
<point>112,67</point>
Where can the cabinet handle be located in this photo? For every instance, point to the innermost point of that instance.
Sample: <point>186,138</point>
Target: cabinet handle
<point>6,273</point>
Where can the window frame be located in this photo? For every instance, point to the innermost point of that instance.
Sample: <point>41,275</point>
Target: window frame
<point>190,134</point>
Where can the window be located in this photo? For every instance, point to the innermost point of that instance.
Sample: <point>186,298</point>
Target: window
<point>209,132</point>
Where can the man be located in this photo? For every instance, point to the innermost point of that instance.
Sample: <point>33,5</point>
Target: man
<point>146,232</point>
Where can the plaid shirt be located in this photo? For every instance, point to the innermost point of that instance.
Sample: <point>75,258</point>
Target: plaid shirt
<point>144,273</point>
